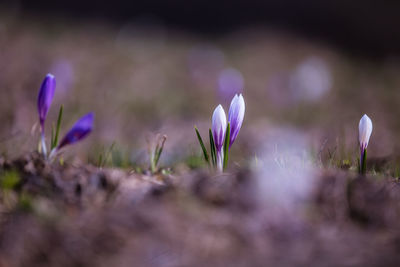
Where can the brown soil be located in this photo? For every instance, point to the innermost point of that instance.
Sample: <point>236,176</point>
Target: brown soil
<point>84,216</point>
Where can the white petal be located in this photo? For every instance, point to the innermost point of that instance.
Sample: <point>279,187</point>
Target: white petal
<point>219,126</point>
<point>241,107</point>
<point>364,131</point>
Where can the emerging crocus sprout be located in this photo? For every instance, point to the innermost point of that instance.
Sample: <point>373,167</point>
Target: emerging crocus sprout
<point>364,133</point>
<point>155,149</point>
<point>222,133</point>
<point>79,131</point>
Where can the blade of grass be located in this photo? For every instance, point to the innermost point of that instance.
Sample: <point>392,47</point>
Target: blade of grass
<point>157,147</point>
<point>60,114</point>
<point>103,159</point>
<point>205,153</point>
<point>52,136</point>
<point>100,161</point>
<point>226,145</point>
<point>160,149</point>
<point>151,152</point>
<point>212,148</point>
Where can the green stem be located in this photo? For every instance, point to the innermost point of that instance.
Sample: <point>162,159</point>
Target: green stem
<point>226,145</point>
<point>364,162</point>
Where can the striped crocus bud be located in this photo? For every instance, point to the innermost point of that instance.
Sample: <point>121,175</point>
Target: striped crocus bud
<point>364,131</point>
<point>235,117</point>
<point>45,97</point>
<point>218,129</point>
<point>79,131</point>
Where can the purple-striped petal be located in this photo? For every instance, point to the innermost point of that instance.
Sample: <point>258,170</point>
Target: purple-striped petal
<point>235,117</point>
<point>79,131</point>
<point>45,97</point>
<point>219,127</point>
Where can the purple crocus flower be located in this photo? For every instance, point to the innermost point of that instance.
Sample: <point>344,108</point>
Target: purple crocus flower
<point>235,117</point>
<point>45,98</point>
<point>79,131</point>
<point>218,130</point>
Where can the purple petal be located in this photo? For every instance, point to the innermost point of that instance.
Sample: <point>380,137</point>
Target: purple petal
<point>45,97</point>
<point>235,117</point>
<point>79,131</point>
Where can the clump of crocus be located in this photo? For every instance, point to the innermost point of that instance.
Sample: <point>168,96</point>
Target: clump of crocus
<point>364,133</point>
<point>223,133</point>
<point>80,130</point>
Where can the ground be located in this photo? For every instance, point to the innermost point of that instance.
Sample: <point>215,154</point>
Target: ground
<point>53,215</point>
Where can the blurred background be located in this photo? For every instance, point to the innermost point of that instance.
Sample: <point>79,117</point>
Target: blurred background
<point>162,67</point>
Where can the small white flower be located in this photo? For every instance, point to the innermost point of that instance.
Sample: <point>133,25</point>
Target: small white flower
<point>364,131</point>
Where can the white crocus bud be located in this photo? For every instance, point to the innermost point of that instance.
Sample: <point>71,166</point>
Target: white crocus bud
<point>364,131</point>
<point>218,130</point>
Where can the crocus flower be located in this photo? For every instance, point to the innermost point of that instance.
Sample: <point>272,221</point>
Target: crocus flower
<point>364,133</point>
<point>218,130</point>
<point>45,97</point>
<point>79,131</point>
<point>235,116</point>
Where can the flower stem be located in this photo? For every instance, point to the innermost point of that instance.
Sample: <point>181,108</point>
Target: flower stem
<point>363,162</point>
<point>220,160</point>
<point>43,142</point>
<point>53,152</point>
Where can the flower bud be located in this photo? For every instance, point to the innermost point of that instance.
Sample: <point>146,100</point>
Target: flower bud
<point>219,127</point>
<point>235,116</point>
<point>364,131</point>
<point>45,97</point>
<point>79,131</point>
